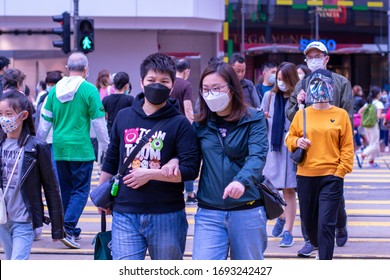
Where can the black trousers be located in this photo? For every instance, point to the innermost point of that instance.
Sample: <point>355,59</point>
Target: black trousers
<point>341,219</point>
<point>319,201</point>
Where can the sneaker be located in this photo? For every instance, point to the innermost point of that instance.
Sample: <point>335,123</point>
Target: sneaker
<point>374,165</point>
<point>77,238</point>
<point>37,233</point>
<point>287,239</point>
<point>306,250</point>
<point>192,199</point>
<point>341,236</point>
<point>359,160</point>
<point>387,149</point>
<point>69,241</point>
<point>278,228</point>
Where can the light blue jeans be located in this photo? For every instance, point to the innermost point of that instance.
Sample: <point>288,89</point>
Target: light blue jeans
<point>16,239</point>
<point>244,232</point>
<point>163,235</point>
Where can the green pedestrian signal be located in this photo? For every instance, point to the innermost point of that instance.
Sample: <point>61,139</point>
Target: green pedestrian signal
<point>87,43</point>
<point>85,35</point>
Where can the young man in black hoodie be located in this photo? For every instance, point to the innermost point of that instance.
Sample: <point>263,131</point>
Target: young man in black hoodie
<point>149,210</point>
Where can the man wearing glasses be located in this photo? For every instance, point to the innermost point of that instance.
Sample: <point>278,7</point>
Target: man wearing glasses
<point>317,57</point>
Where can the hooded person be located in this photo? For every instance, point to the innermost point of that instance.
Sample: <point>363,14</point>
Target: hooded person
<point>71,107</point>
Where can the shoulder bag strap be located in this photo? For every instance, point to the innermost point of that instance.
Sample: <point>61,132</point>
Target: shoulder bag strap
<point>103,221</point>
<point>304,123</point>
<point>141,143</point>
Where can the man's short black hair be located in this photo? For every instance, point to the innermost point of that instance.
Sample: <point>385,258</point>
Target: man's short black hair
<point>268,65</point>
<point>121,79</point>
<point>53,77</point>
<point>4,61</point>
<point>236,58</point>
<point>158,62</point>
<point>182,64</point>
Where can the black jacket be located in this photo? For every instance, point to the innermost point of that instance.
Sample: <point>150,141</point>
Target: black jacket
<point>37,171</point>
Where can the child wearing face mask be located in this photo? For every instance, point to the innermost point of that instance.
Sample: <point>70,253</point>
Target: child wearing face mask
<point>149,209</point>
<point>279,168</point>
<point>26,168</point>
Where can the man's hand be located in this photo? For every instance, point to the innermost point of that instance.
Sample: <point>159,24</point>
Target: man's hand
<point>234,190</point>
<point>137,178</point>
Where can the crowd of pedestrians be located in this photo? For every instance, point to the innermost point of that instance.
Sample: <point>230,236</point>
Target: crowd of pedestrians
<point>237,135</point>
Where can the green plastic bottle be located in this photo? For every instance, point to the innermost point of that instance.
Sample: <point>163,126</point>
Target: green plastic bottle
<point>115,187</point>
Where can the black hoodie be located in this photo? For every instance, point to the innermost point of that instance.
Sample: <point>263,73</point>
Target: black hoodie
<point>175,139</point>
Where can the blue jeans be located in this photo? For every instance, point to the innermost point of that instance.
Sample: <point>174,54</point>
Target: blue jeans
<point>16,238</point>
<point>75,184</point>
<point>244,231</point>
<point>163,235</point>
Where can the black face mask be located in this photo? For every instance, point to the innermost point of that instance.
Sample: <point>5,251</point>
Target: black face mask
<point>156,93</point>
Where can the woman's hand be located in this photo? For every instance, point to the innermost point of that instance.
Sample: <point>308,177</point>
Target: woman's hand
<point>171,168</point>
<point>303,143</point>
<point>234,190</point>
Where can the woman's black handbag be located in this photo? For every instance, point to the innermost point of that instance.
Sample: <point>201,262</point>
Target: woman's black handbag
<point>102,242</point>
<point>102,196</point>
<point>298,154</point>
<point>273,202</point>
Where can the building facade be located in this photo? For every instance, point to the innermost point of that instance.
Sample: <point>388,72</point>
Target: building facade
<point>355,33</point>
<point>126,31</point>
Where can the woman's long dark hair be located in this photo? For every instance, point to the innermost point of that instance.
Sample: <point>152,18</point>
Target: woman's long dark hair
<point>374,91</point>
<point>227,72</point>
<point>19,102</point>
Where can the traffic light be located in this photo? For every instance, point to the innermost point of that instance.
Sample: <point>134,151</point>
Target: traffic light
<point>63,31</point>
<point>85,35</point>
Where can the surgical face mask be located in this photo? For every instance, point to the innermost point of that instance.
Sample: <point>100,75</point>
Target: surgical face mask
<point>272,78</point>
<point>156,93</point>
<point>315,64</point>
<point>282,86</point>
<point>301,76</point>
<point>9,124</point>
<point>48,88</point>
<point>216,101</point>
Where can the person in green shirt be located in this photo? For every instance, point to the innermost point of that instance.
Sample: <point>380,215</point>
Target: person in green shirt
<point>72,106</point>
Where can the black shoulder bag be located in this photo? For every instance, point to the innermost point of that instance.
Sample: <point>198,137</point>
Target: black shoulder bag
<point>102,196</point>
<point>273,202</point>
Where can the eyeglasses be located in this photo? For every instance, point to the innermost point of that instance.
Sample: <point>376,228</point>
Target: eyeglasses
<point>314,57</point>
<point>216,90</point>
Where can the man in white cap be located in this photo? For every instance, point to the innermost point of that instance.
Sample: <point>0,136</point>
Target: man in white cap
<point>317,57</point>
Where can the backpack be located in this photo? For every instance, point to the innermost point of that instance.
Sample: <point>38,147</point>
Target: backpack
<point>387,117</point>
<point>369,116</point>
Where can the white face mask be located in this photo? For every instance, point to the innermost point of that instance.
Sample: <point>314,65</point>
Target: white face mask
<point>301,76</point>
<point>315,64</point>
<point>282,86</point>
<point>217,101</point>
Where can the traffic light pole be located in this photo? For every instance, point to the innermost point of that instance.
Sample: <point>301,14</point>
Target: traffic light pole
<point>75,19</point>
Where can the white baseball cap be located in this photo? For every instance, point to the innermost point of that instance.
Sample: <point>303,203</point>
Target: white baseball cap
<point>316,45</point>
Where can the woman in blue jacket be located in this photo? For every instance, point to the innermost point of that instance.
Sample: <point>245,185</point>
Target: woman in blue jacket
<point>234,145</point>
